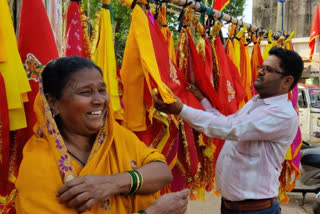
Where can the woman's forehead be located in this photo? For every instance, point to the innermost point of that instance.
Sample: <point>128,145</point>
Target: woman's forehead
<point>86,76</point>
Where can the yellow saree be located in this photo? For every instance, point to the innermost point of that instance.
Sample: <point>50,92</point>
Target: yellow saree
<point>46,165</point>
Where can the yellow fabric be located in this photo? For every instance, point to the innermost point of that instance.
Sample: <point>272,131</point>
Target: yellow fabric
<point>237,56</point>
<point>138,63</point>
<point>167,33</point>
<point>104,57</point>
<point>268,46</point>
<point>236,45</point>
<point>39,175</point>
<point>3,54</point>
<point>12,70</point>
<point>230,46</point>
<point>245,66</point>
<point>255,56</point>
<point>288,42</point>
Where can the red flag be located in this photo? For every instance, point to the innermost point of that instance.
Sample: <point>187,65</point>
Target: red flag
<point>74,31</point>
<point>36,47</point>
<point>220,4</point>
<point>315,31</point>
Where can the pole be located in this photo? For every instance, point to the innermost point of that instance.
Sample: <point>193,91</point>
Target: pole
<point>198,6</point>
<point>282,16</point>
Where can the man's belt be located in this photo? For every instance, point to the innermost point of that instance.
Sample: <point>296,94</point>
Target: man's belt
<point>249,205</point>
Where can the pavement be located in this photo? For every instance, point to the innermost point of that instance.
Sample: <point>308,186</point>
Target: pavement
<point>212,205</point>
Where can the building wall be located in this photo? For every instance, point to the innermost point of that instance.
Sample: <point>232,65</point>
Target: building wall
<point>298,15</point>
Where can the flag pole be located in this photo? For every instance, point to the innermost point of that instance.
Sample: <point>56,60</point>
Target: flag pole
<point>200,7</point>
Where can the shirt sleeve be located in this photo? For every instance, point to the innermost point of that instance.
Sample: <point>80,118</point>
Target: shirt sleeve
<point>266,124</point>
<point>209,108</point>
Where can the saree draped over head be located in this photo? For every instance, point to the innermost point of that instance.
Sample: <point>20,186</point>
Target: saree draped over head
<point>46,166</point>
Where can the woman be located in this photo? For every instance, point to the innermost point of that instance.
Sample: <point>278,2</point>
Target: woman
<point>80,159</point>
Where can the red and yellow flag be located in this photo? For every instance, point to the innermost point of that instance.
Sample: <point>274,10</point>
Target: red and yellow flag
<point>37,47</point>
<point>220,4</point>
<point>315,31</point>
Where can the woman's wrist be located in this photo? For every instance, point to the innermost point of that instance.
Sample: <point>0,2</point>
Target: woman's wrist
<point>122,182</point>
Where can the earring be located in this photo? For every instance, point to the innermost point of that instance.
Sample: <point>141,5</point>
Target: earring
<point>54,114</point>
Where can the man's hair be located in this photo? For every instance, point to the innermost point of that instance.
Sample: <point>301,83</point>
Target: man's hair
<point>291,63</point>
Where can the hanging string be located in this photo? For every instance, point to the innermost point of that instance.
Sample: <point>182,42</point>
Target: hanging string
<point>182,14</point>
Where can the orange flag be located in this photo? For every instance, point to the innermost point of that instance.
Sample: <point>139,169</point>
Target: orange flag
<point>315,31</point>
<point>220,4</point>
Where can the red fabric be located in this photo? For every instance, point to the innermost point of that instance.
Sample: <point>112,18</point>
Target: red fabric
<point>5,139</point>
<point>229,81</point>
<point>315,31</point>
<point>175,80</point>
<point>201,73</point>
<point>37,41</point>
<point>74,31</point>
<point>198,73</point>
<point>220,4</point>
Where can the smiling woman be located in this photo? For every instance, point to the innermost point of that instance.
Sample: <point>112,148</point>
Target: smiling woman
<point>79,158</point>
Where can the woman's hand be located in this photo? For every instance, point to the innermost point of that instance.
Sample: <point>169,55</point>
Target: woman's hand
<point>84,192</point>
<point>171,203</point>
<point>195,91</point>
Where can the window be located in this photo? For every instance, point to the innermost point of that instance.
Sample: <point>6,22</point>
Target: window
<point>302,99</point>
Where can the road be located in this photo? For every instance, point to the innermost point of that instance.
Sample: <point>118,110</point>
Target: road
<point>212,205</point>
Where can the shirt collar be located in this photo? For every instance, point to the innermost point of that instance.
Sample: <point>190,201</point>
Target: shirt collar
<point>271,100</point>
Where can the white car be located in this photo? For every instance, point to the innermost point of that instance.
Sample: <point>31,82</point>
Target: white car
<point>309,113</point>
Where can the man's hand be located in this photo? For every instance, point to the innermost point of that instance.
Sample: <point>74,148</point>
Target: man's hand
<point>173,108</point>
<point>84,192</point>
<point>195,91</point>
<point>171,203</point>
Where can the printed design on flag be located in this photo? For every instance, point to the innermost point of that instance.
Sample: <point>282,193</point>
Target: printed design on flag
<point>76,33</point>
<point>173,73</point>
<point>33,67</point>
<point>231,92</point>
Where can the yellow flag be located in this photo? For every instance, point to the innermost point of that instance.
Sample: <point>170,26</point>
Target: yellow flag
<point>104,57</point>
<point>12,70</point>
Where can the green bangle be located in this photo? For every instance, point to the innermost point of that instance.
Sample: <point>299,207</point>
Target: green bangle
<point>134,182</point>
<point>142,212</point>
<point>140,180</point>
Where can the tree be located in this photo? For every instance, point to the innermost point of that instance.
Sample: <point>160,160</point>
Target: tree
<point>235,8</point>
<point>121,28</point>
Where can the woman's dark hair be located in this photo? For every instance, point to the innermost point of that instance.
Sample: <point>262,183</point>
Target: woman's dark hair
<point>291,63</point>
<point>57,73</point>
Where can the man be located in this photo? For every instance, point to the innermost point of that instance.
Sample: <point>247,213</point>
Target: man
<point>257,136</point>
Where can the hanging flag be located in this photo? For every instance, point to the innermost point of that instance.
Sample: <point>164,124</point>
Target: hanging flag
<point>105,58</point>
<point>220,4</point>
<point>167,33</point>
<point>245,66</point>
<point>13,88</point>
<point>139,56</point>
<point>314,32</point>
<point>11,68</point>
<point>37,47</point>
<point>256,59</point>
<point>74,31</point>
<point>77,40</point>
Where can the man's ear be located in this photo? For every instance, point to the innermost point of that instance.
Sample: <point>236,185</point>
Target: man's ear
<point>287,82</point>
<point>52,101</point>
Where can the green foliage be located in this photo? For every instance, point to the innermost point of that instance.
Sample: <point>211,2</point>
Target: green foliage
<point>121,26</point>
<point>235,8</point>
<point>95,6</point>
